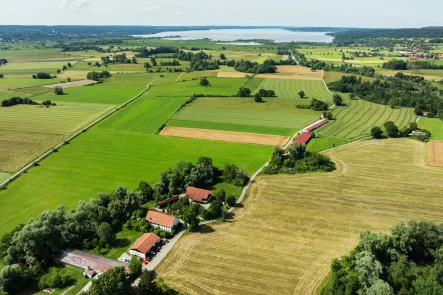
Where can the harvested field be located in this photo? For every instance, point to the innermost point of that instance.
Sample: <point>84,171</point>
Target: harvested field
<point>73,74</point>
<point>232,75</point>
<point>283,239</point>
<point>72,84</point>
<point>230,136</point>
<point>299,70</point>
<point>435,153</point>
<point>285,77</point>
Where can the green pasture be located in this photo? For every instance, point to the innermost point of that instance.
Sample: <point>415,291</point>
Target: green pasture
<point>100,160</point>
<point>13,82</point>
<point>354,121</point>
<point>334,76</point>
<point>254,83</point>
<point>288,89</point>
<point>322,143</point>
<point>435,126</point>
<point>36,55</point>
<point>218,86</point>
<point>64,118</point>
<point>123,240</point>
<point>145,115</point>
<point>3,177</point>
<point>31,68</point>
<point>115,90</point>
<point>274,116</point>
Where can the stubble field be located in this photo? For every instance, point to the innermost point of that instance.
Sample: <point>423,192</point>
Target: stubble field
<point>291,226</point>
<point>435,153</point>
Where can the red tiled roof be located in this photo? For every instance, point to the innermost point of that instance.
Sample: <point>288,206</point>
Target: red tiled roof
<point>197,194</point>
<point>316,125</point>
<point>168,200</point>
<point>145,243</point>
<point>303,137</point>
<point>160,218</point>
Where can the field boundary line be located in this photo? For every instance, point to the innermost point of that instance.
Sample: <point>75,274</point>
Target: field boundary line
<point>179,77</point>
<point>322,75</point>
<point>82,130</point>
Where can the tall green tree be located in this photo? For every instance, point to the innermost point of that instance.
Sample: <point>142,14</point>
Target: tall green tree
<point>114,281</point>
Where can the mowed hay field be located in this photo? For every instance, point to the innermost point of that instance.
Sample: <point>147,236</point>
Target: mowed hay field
<point>283,239</point>
<point>27,131</point>
<point>288,89</point>
<point>354,121</point>
<point>435,153</point>
<point>275,116</point>
<point>230,136</point>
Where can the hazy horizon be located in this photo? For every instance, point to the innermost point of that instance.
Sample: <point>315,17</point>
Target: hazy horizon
<point>342,13</point>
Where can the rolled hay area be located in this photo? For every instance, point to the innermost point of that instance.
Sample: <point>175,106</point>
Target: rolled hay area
<point>435,153</point>
<point>229,136</point>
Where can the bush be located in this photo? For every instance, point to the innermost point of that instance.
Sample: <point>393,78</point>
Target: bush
<point>230,200</point>
<point>266,93</point>
<point>258,98</point>
<point>243,92</point>
<point>318,105</point>
<point>58,90</point>
<point>204,82</point>
<point>56,278</point>
<point>42,76</point>
<point>376,132</point>
<point>1,76</point>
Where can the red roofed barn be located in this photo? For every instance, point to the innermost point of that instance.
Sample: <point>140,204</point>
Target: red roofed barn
<point>144,244</point>
<point>162,220</point>
<point>198,195</point>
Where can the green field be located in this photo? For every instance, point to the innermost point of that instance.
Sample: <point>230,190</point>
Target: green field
<point>116,90</point>
<point>275,116</point>
<point>61,119</point>
<point>355,120</point>
<point>288,89</point>
<point>324,143</point>
<point>145,115</point>
<point>100,160</point>
<point>219,86</point>
<point>435,126</point>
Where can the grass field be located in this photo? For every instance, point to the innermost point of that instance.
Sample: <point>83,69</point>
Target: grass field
<point>288,89</point>
<point>435,126</point>
<point>324,142</point>
<point>100,160</point>
<point>275,116</point>
<point>356,120</point>
<point>283,239</point>
<point>219,86</point>
<point>146,115</point>
<point>116,90</point>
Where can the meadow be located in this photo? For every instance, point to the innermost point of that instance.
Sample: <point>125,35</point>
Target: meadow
<point>435,126</point>
<point>289,89</point>
<point>100,160</point>
<point>354,121</point>
<point>275,116</point>
<point>283,239</point>
<point>145,115</point>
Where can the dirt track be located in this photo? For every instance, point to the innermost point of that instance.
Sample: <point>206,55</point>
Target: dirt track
<point>72,84</point>
<point>232,75</point>
<point>435,153</point>
<point>230,136</point>
<point>299,70</point>
<point>285,77</point>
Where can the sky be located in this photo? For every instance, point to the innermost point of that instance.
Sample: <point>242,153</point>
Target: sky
<point>318,13</point>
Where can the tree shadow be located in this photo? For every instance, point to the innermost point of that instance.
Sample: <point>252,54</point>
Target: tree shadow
<point>205,229</point>
<point>118,243</point>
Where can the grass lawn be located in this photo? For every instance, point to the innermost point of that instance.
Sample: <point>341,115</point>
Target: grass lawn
<point>275,116</point>
<point>124,239</point>
<point>100,160</point>
<point>75,273</point>
<point>283,239</point>
<point>288,89</point>
<point>218,86</point>
<point>229,189</point>
<point>323,143</point>
<point>354,121</point>
<point>254,83</point>
<point>145,115</point>
<point>435,126</point>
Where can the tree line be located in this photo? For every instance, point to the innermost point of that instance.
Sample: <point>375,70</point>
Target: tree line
<point>17,100</point>
<point>401,65</point>
<point>148,52</point>
<point>398,91</point>
<point>408,261</point>
<point>296,159</point>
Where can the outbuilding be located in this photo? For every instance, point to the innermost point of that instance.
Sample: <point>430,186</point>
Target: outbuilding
<point>198,195</point>
<point>162,220</point>
<point>144,244</point>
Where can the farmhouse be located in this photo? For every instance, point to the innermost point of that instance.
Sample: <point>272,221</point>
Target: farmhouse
<point>303,137</point>
<point>144,244</point>
<point>198,195</point>
<point>162,220</point>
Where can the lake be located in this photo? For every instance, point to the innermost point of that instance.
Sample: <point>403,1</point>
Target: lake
<point>226,35</point>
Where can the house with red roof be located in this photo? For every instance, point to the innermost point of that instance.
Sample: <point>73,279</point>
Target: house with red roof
<point>144,244</point>
<point>198,195</point>
<point>162,220</point>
